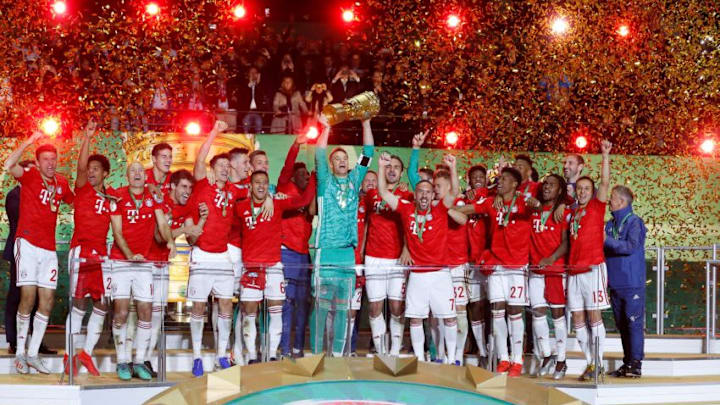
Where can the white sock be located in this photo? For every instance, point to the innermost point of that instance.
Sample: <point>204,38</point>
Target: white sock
<point>378,329</point>
<point>417,338</point>
<point>581,334</point>
<point>196,333</point>
<point>22,325</point>
<point>541,331</point>
<point>156,322</point>
<point>352,327</point>
<point>598,332</point>
<point>224,323</point>
<point>39,324</point>
<point>249,335</point>
<point>130,334</point>
<point>214,320</point>
<point>120,337</point>
<point>517,335</point>
<point>142,340</point>
<point>94,329</point>
<point>451,335</point>
<point>73,326</point>
<point>397,330</point>
<point>478,328</point>
<point>462,333</point>
<point>560,337</point>
<point>500,334</point>
<point>238,345</point>
<point>275,329</point>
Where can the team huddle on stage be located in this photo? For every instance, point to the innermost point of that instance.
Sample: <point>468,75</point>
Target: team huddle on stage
<point>431,249</point>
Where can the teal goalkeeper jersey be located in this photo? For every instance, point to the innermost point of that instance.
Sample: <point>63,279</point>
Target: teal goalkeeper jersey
<point>338,203</point>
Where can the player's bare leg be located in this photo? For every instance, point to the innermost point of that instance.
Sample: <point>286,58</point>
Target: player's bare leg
<point>560,325</point>
<point>397,325</point>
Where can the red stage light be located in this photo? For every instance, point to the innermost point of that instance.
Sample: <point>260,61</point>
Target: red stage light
<point>239,11</point>
<point>152,9</point>
<point>707,146</point>
<point>50,126</point>
<point>192,128</point>
<point>312,133</point>
<point>348,16</point>
<point>623,30</point>
<point>581,142</point>
<point>453,21</point>
<point>59,7</point>
<point>451,138</point>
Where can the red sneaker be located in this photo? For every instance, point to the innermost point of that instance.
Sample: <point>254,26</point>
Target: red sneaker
<point>66,366</point>
<point>503,366</point>
<point>515,370</point>
<point>87,361</point>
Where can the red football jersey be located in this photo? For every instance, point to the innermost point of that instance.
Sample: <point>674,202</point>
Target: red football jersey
<point>175,215</point>
<point>359,258</point>
<point>164,186</point>
<point>262,240</point>
<point>546,236</point>
<point>457,239</point>
<point>587,237</point>
<point>384,237</point>
<point>477,227</point>
<point>39,204</point>
<point>241,189</point>
<point>529,189</point>
<point>91,219</point>
<point>296,224</point>
<point>509,242</point>
<point>216,232</point>
<point>138,223</point>
<point>431,251</point>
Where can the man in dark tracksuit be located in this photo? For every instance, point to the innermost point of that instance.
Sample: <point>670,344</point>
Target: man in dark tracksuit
<point>625,259</point>
<point>12,208</point>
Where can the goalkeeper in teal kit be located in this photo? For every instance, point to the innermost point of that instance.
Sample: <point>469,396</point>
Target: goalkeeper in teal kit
<point>336,236</point>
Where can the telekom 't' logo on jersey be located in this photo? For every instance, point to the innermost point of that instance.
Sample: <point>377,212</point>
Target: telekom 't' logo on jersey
<point>222,198</point>
<point>250,222</point>
<point>132,216</point>
<point>45,196</point>
<point>99,206</point>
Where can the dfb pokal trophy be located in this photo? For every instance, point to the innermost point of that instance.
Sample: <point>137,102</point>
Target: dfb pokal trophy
<point>361,107</point>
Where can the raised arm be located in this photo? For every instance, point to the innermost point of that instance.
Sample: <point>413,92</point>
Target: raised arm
<point>200,170</point>
<point>11,164</point>
<point>304,198</point>
<point>458,216</point>
<point>287,170</point>
<point>368,139</point>
<point>449,199</point>
<point>603,192</point>
<point>81,178</point>
<point>413,167</point>
<point>391,199</point>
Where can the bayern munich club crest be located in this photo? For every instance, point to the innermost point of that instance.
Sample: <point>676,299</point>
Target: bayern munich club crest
<point>148,203</point>
<point>113,205</point>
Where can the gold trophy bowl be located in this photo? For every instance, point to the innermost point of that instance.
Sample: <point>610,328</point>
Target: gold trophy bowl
<point>361,107</point>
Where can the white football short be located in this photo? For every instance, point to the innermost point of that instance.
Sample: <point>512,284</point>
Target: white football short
<point>35,266</point>
<point>132,278</point>
<point>477,285</point>
<point>430,291</point>
<point>274,286</point>
<point>588,291</point>
<point>460,287</point>
<point>210,273</point>
<point>236,259</point>
<point>384,279</point>
<point>508,285</point>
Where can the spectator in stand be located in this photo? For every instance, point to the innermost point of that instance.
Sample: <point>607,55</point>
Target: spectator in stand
<point>195,101</point>
<point>307,77</point>
<point>288,105</point>
<point>329,70</point>
<point>287,66</point>
<point>254,99</point>
<point>376,83</point>
<point>345,84</point>
<point>356,65</point>
<point>316,99</point>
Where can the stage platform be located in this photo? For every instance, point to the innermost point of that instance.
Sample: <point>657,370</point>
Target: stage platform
<point>685,376</point>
